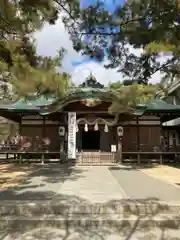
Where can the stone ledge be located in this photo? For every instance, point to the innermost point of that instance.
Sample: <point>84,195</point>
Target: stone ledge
<point>161,221</point>
<point>40,208</point>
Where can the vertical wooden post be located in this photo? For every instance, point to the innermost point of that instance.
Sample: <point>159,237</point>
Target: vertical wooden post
<point>43,127</point>
<point>168,136</point>
<point>66,137</point>
<point>138,140</point>
<point>60,149</point>
<point>42,158</point>
<point>120,149</point>
<point>20,125</point>
<point>42,145</point>
<point>119,144</point>
<point>20,132</point>
<point>161,142</point>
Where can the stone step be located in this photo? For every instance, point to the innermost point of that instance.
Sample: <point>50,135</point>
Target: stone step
<point>86,221</point>
<point>91,234</point>
<point>40,208</point>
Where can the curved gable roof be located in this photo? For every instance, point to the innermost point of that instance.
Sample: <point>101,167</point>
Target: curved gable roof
<point>47,105</point>
<point>50,104</point>
<point>77,94</point>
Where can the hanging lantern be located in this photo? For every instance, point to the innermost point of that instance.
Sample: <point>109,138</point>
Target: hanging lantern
<point>96,128</point>
<point>61,131</point>
<point>106,128</point>
<point>86,128</point>
<point>77,129</point>
<point>120,131</point>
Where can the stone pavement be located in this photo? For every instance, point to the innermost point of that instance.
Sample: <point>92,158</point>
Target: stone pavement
<point>92,184</point>
<point>96,184</point>
<point>39,211</point>
<point>93,234</point>
<point>139,185</point>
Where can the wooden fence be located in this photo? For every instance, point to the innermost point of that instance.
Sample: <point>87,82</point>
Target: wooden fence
<point>13,152</point>
<point>96,158</point>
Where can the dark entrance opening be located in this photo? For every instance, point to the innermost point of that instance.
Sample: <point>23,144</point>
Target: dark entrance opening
<point>91,140</point>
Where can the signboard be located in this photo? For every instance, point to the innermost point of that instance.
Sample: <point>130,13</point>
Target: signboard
<point>71,135</point>
<point>113,148</point>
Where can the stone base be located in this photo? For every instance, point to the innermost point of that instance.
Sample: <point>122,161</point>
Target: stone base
<point>122,207</point>
<point>86,221</point>
<point>107,220</point>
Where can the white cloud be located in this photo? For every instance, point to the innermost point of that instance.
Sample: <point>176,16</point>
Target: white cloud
<point>103,75</point>
<point>52,37</point>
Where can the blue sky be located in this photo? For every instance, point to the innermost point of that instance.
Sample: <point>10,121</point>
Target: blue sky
<point>109,5</point>
<point>52,37</point>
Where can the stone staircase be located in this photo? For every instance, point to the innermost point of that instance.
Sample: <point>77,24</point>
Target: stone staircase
<point>95,158</point>
<point>133,219</point>
<point>22,215</point>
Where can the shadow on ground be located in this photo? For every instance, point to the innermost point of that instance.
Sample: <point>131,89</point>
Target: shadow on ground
<point>44,184</point>
<point>139,228</point>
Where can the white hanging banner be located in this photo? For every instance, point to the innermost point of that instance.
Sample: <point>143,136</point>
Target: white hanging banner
<point>71,135</point>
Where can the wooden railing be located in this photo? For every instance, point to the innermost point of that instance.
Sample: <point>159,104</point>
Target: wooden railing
<point>95,158</point>
<point>16,152</point>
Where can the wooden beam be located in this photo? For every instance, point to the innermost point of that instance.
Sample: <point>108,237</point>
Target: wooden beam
<point>138,138</point>
<point>44,127</point>
<point>20,125</point>
<point>10,115</point>
<point>86,112</point>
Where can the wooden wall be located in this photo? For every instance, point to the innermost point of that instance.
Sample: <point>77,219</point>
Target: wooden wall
<point>144,131</point>
<point>36,125</point>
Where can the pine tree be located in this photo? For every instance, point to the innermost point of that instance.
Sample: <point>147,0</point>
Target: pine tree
<point>127,97</point>
<point>20,67</point>
<point>150,25</point>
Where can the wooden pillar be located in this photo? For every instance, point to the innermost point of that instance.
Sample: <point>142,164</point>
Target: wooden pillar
<point>66,136</point>
<point>44,127</point>
<point>62,142</point>
<point>20,125</point>
<point>120,149</point>
<point>161,142</point>
<point>138,140</point>
<point>20,132</point>
<point>61,149</point>
<point>79,140</point>
<point>119,133</point>
<point>168,136</point>
<point>43,136</point>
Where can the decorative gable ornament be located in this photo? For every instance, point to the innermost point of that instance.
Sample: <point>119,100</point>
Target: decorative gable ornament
<point>91,102</point>
<point>61,131</point>
<point>120,131</point>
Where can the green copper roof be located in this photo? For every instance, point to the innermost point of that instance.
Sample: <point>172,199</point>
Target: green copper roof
<point>77,94</point>
<point>157,106</point>
<point>47,105</point>
<point>31,104</point>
